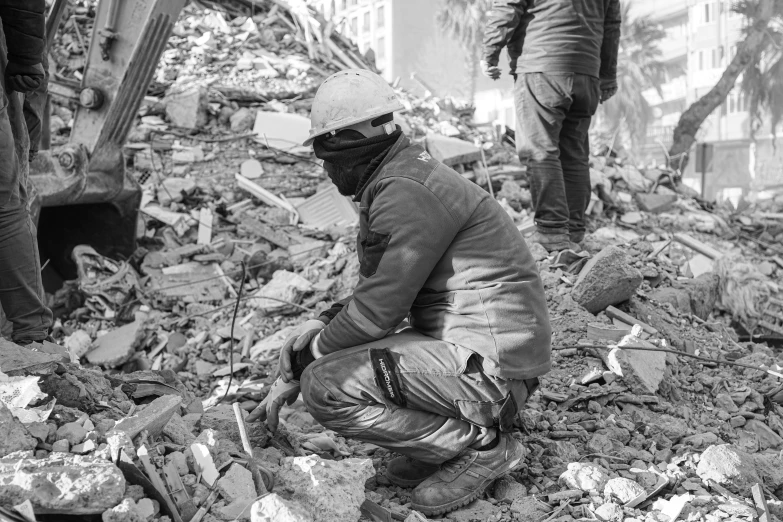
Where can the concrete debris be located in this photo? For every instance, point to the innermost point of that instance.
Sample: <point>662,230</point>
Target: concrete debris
<point>187,107</point>
<point>285,287</point>
<point>452,151</point>
<point>585,477</point>
<point>242,120</point>
<point>117,346</point>
<point>125,511</point>
<point>274,508</point>
<point>476,510</point>
<point>65,484</point>
<point>655,203</point>
<point>642,371</point>
<point>152,418</point>
<point>13,435</point>
<point>606,279</point>
<point>237,484</point>
<point>330,491</point>
<point>281,131</point>
<point>728,466</point>
<point>622,489</point>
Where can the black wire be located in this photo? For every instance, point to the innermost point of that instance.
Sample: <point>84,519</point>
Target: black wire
<point>233,321</point>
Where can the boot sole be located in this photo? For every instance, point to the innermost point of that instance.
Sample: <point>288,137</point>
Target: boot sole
<point>464,501</point>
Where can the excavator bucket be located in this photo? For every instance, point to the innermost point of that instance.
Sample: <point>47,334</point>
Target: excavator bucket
<point>85,194</point>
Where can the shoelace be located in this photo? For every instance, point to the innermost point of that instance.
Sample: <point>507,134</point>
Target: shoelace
<point>456,464</point>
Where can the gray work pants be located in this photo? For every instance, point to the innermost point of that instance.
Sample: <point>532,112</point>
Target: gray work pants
<point>409,393</point>
<point>21,288</point>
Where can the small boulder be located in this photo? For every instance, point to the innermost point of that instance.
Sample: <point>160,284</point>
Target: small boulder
<point>237,484</point>
<point>622,489</point>
<point>186,107</point>
<point>274,508</point>
<point>13,435</point>
<point>73,432</point>
<point>242,120</point>
<point>585,477</point>
<point>729,467</point>
<point>606,279</point>
<point>125,511</point>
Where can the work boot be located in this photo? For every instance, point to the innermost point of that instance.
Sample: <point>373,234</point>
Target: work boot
<point>463,478</point>
<point>406,472</point>
<point>554,242</point>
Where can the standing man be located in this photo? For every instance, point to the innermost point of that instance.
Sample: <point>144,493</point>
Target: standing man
<point>21,289</point>
<point>563,56</point>
<point>438,250</point>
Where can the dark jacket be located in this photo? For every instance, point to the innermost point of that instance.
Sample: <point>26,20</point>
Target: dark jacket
<point>438,249</point>
<point>555,36</point>
<point>23,24</point>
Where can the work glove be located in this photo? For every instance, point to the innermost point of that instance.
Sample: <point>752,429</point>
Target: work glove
<point>608,89</point>
<point>299,339</point>
<point>269,409</point>
<point>23,78</point>
<point>490,71</point>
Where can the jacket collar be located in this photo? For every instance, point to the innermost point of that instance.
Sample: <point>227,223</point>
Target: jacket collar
<point>402,143</point>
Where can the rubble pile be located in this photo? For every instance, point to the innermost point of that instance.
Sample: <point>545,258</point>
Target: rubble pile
<point>666,398</point>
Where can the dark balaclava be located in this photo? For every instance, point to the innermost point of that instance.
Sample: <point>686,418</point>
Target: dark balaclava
<point>348,154</point>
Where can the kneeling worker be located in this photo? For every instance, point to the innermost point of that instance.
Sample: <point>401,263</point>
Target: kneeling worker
<point>438,250</point>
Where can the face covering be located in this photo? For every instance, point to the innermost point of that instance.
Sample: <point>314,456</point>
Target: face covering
<point>348,154</point>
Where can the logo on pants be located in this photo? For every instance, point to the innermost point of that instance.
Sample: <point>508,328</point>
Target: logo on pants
<point>386,376</point>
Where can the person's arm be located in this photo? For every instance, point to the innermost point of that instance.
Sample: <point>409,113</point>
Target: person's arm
<point>23,25</point>
<point>611,45</point>
<point>410,229</point>
<point>331,312</point>
<point>502,22</point>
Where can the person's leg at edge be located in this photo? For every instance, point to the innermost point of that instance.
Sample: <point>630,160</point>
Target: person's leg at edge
<point>541,104</point>
<point>435,406</point>
<point>575,152</point>
<point>21,288</point>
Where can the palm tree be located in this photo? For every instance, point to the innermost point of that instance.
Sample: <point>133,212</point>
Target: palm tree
<point>464,20</point>
<point>639,68</point>
<point>751,54</point>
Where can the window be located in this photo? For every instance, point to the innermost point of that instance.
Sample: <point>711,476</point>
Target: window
<point>344,5</point>
<point>381,16</point>
<point>380,50</point>
<point>737,102</point>
<point>366,24</point>
<point>709,12</point>
<point>355,26</point>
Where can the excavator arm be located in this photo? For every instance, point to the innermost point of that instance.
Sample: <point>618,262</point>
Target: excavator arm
<point>86,194</point>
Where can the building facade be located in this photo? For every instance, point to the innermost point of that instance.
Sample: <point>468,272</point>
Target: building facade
<point>405,39</point>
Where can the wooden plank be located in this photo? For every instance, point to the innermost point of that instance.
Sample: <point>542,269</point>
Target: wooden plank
<point>187,507</point>
<point>698,246</point>
<point>266,233</point>
<point>205,227</point>
<point>156,481</point>
<point>614,313</point>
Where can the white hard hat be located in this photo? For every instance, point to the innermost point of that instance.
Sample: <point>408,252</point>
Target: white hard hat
<point>350,97</point>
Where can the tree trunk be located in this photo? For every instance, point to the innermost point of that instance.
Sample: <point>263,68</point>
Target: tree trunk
<point>748,53</point>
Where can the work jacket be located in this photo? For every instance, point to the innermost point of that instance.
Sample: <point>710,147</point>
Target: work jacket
<point>555,36</point>
<point>438,250</point>
<point>23,25</point>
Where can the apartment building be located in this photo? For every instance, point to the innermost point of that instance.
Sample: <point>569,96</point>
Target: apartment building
<point>404,37</point>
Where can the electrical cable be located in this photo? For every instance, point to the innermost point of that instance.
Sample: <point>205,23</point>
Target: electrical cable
<point>233,322</point>
<point>667,350</point>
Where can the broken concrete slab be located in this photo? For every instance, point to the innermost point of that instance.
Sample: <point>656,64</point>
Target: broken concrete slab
<point>152,418</point>
<point>62,483</point>
<point>87,390</point>
<point>678,298</point>
<point>237,484</point>
<point>274,508</point>
<point>280,130</point>
<point>330,491</point>
<point>655,203</point>
<point>768,439</point>
<point>452,151</point>
<point>703,292</point>
<point>623,489</point>
<point>642,371</point>
<point>174,189</point>
<point>73,432</point>
<point>606,279</point>
<point>117,346</point>
<point>125,511</point>
<point>186,107</point>
<point>585,477</point>
<point>285,286</point>
<point>242,120</point>
<point>179,432</point>
<point>730,467</point>
<point>13,435</point>
<point>16,360</point>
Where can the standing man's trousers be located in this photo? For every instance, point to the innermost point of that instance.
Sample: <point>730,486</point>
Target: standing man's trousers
<point>553,120</point>
<point>418,396</point>
<point>21,288</point>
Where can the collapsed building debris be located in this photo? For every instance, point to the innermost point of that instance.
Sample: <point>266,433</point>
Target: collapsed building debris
<point>135,420</point>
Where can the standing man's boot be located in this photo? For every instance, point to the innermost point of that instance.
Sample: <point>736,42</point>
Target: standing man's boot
<point>462,479</point>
